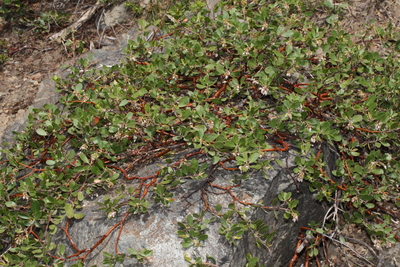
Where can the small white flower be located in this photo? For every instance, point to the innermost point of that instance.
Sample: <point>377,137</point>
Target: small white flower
<point>313,139</point>
<point>300,176</point>
<point>300,108</point>
<point>223,42</point>
<point>272,116</point>
<point>25,196</point>
<point>254,81</point>
<point>227,74</point>
<point>377,244</point>
<point>264,90</point>
<point>83,147</point>
<point>246,51</point>
<point>288,115</point>
<point>295,217</point>
<point>94,156</point>
<point>244,168</point>
<point>111,214</point>
<point>350,126</point>
<point>265,26</point>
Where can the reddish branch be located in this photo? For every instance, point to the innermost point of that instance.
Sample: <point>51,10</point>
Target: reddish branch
<point>121,226</point>
<point>70,239</point>
<point>280,141</point>
<point>296,254</point>
<point>86,102</point>
<point>369,131</point>
<point>100,241</point>
<point>303,244</point>
<point>226,168</point>
<point>228,190</point>
<point>219,92</point>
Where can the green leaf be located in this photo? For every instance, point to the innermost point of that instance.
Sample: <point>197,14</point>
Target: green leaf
<point>189,220</point>
<point>61,249</point>
<point>100,163</point>
<point>150,130</point>
<point>183,226</point>
<point>184,101</point>
<point>370,205</point>
<point>187,258</point>
<point>84,158</point>
<point>123,102</point>
<point>202,237</point>
<point>377,171</point>
<point>143,24</point>
<point>35,207</point>
<point>357,118</point>
<point>200,110</point>
<point>95,170</point>
<point>80,196</point>
<point>254,157</point>
<point>50,162</point>
<point>218,207</point>
<point>308,13</point>
<point>328,4</point>
<point>10,204</point>
<point>293,203</point>
<point>69,211</point>
<point>187,244</point>
<point>252,262</point>
<point>210,137</point>
<point>41,132</point>
<point>288,33</point>
<point>148,252</point>
<point>79,216</point>
<point>79,87</point>
<point>280,29</point>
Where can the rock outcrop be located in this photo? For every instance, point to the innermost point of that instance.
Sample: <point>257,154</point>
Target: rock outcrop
<point>156,230</point>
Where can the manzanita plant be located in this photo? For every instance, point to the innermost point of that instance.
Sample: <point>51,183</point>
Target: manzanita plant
<point>234,85</point>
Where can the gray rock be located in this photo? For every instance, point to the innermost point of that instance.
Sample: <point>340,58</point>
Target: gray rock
<point>390,257</point>
<point>287,231</point>
<point>211,4</point>
<point>47,89</point>
<point>45,95</point>
<point>116,15</point>
<point>156,230</point>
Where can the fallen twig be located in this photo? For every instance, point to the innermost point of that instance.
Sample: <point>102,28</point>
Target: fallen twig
<point>61,35</point>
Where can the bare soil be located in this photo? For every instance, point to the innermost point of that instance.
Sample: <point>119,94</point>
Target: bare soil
<point>32,57</point>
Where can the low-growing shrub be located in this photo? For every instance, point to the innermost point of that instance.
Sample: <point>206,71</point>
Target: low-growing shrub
<point>238,84</point>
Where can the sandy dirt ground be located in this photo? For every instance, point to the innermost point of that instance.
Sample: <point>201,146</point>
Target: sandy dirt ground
<point>32,57</point>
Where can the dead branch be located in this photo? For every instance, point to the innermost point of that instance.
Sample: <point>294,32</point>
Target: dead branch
<point>61,35</point>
